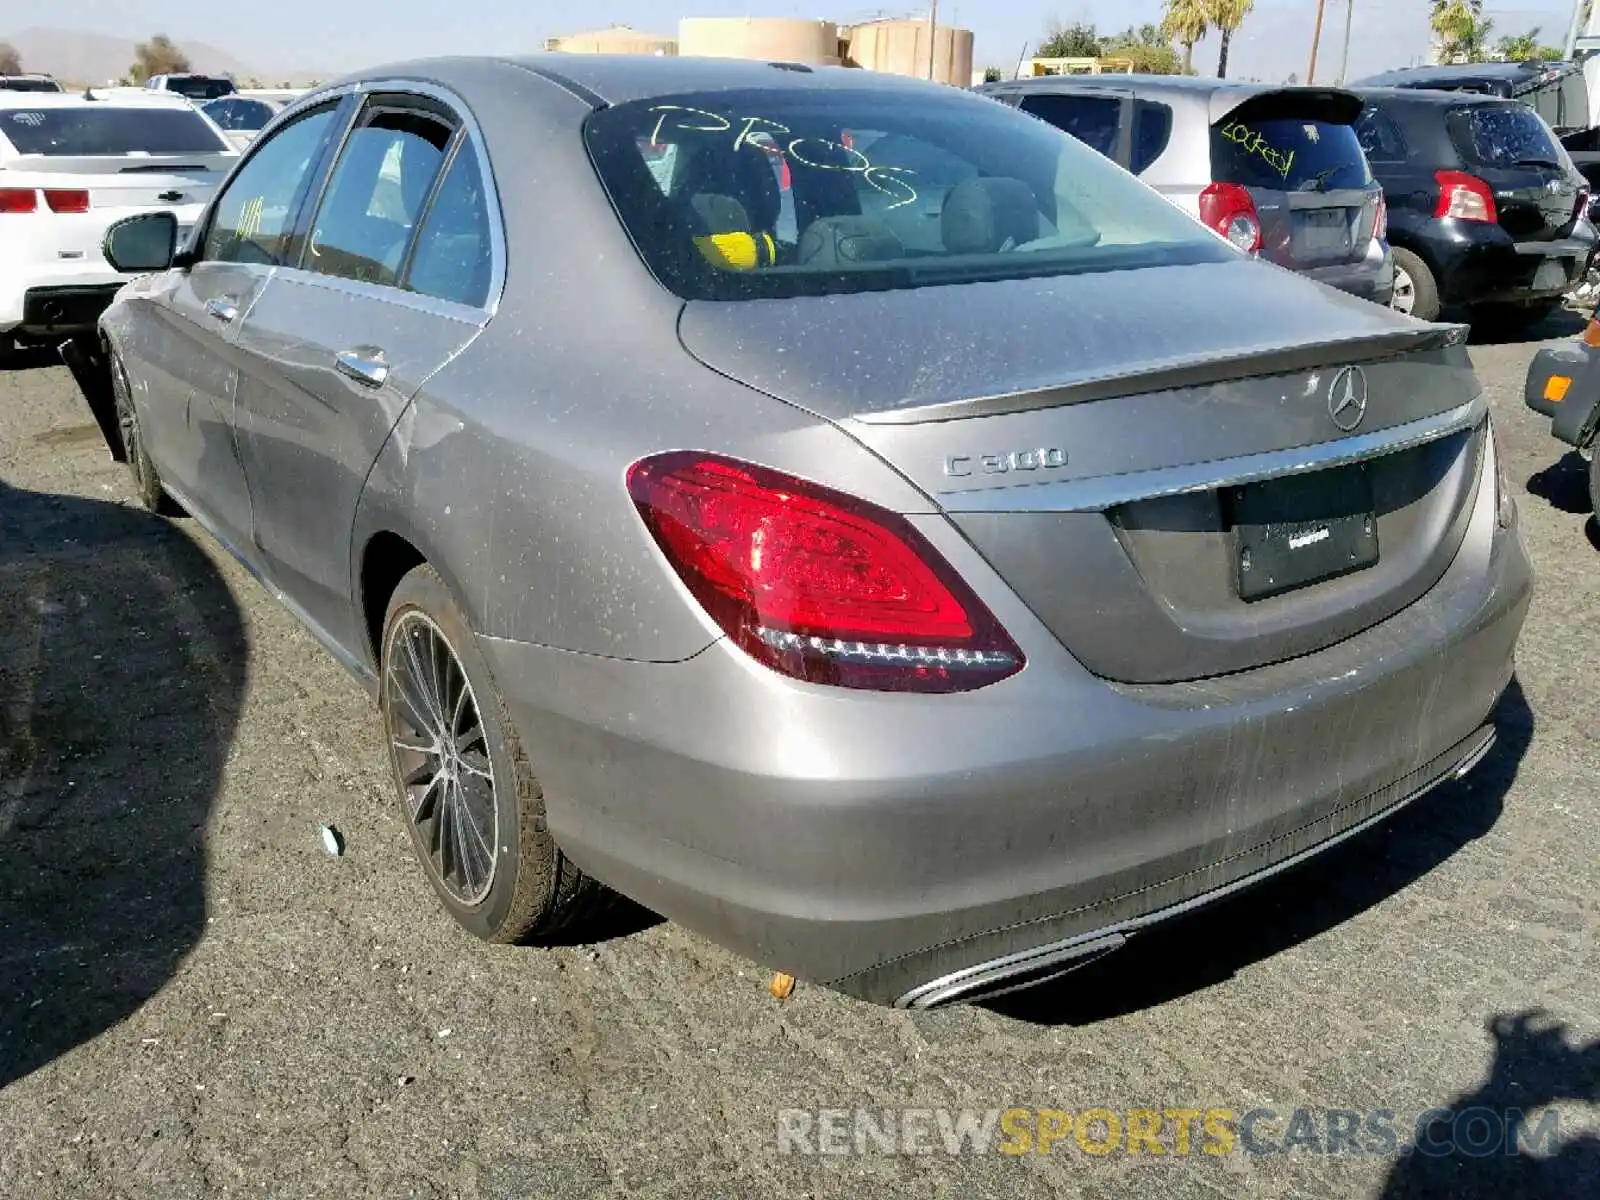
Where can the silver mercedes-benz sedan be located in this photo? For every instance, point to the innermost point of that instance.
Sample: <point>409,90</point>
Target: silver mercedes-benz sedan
<point>848,516</point>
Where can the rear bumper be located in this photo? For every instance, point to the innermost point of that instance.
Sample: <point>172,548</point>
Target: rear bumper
<point>888,845</point>
<point>1479,264</point>
<point>48,311</point>
<point>1371,279</point>
<point>1575,416</point>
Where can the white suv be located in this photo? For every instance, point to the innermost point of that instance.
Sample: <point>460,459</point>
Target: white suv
<point>69,167</point>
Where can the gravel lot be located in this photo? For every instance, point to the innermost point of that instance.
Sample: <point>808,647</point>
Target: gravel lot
<point>197,1000</point>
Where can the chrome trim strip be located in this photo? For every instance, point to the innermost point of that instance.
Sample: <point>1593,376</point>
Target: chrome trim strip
<point>1100,492</point>
<point>970,980</point>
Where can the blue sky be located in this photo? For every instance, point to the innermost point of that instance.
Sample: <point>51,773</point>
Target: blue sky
<point>280,35</point>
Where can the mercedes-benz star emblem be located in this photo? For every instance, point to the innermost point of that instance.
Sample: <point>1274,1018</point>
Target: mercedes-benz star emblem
<point>1347,398</point>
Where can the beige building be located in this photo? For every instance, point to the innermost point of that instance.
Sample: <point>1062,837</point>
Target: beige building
<point>900,47</point>
<point>618,39</point>
<point>769,39</point>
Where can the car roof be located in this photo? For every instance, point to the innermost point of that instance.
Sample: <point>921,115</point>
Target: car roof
<point>1194,85</point>
<point>620,78</point>
<point>134,97</point>
<point>1428,97</point>
<point>1511,72</point>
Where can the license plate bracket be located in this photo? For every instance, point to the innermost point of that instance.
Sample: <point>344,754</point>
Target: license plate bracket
<point>1321,233</point>
<point>1292,532</point>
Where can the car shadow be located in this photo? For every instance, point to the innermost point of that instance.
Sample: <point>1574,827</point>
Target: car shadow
<point>1562,323</point>
<point>122,673</point>
<point>1464,1151</point>
<point>30,358</point>
<point>1564,484</point>
<point>1205,948</point>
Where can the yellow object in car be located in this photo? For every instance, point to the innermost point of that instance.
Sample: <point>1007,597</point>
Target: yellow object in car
<point>739,251</point>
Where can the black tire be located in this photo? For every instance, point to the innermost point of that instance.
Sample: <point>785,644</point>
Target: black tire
<point>146,479</point>
<point>1511,318</point>
<point>532,890</point>
<point>1423,293</point>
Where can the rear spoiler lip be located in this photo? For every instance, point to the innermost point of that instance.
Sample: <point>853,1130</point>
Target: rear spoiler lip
<point>1172,374</point>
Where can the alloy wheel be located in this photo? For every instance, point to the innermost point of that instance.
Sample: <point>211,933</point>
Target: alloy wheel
<point>1404,299</point>
<point>440,754</point>
<point>128,425</point>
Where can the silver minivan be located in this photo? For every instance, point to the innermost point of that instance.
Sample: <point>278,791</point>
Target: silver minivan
<point>1278,171</point>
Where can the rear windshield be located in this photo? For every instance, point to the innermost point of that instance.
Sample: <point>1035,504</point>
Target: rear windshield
<point>1286,155</point>
<point>14,84</point>
<point>200,88</point>
<point>1504,135</point>
<point>92,130</point>
<point>748,193</point>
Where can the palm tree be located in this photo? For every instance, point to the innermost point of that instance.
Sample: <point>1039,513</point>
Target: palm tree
<point>1461,30</point>
<point>1185,22</point>
<point>1225,16</point>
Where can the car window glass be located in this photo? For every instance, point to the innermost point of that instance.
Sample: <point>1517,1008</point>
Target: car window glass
<point>453,259</point>
<point>1152,130</point>
<point>884,191</point>
<point>1380,137</point>
<point>375,195</point>
<point>1090,119</point>
<point>255,215</point>
<point>1287,155</point>
<point>94,131</point>
<point>1503,135</point>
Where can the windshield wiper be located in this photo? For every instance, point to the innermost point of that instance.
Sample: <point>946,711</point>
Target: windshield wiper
<point>1319,181</point>
<point>1536,162</point>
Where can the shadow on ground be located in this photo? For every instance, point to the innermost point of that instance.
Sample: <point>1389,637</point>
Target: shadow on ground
<point>1464,1151</point>
<point>1564,484</point>
<point>1564,322</point>
<point>1195,952</point>
<point>122,671</point>
<point>29,358</point>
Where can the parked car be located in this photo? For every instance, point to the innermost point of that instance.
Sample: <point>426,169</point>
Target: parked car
<point>29,83</point>
<point>1278,171</point>
<point>917,621</point>
<point>240,117</point>
<point>70,167</point>
<point>193,87</point>
<point>1555,90</point>
<point>1486,210</point>
<point>1564,385</point>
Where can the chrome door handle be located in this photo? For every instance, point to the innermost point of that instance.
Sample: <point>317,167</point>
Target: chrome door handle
<point>364,364</point>
<point>223,309</point>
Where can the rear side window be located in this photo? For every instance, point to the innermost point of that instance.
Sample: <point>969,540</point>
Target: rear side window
<point>454,256</point>
<point>1281,154</point>
<point>1091,119</point>
<point>1503,135</point>
<point>375,196</point>
<point>95,130</point>
<point>748,193</point>
<point>198,88</point>
<point>1380,137</point>
<point>1152,130</point>
<point>255,214</point>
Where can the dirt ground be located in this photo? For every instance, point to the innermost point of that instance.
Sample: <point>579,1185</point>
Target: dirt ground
<point>197,1000</point>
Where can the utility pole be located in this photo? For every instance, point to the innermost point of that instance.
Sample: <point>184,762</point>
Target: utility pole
<point>933,30</point>
<point>1316,37</point>
<point>1349,20</point>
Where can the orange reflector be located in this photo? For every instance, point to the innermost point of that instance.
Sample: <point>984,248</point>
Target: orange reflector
<point>1591,334</point>
<point>1556,387</point>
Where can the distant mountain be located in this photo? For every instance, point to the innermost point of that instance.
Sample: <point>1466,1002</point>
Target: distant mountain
<point>93,58</point>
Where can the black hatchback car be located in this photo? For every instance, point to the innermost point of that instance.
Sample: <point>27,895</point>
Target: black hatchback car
<point>1486,209</point>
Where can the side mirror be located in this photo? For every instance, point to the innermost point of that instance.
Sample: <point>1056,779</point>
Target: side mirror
<point>142,244</point>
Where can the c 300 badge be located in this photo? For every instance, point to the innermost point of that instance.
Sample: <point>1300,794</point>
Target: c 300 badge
<point>1046,458</point>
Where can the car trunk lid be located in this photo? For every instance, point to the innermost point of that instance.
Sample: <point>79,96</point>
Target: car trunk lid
<point>1535,185</point>
<point>1112,458</point>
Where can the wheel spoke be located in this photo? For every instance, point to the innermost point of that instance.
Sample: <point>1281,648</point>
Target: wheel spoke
<point>424,772</point>
<point>420,678</point>
<point>471,768</point>
<point>472,739</point>
<point>428,803</point>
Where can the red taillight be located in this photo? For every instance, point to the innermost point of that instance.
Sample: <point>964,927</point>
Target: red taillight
<point>817,584</point>
<point>67,200</point>
<point>18,200</point>
<point>1380,223</point>
<point>1228,209</point>
<point>1464,197</point>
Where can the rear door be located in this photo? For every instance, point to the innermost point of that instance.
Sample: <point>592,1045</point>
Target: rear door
<point>394,280</point>
<point>1100,118</point>
<point>1509,146</point>
<point>1296,152</point>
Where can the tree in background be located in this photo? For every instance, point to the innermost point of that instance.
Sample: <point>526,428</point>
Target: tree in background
<point>10,60</point>
<point>1185,22</point>
<point>1146,47</point>
<point>158,56</point>
<point>1462,30</point>
<point>1077,40</point>
<point>992,75</point>
<point>1526,47</point>
<point>1225,16</point>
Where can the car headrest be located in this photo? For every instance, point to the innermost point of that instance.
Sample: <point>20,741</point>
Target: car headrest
<point>844,241</point>
<point>982,216</point>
